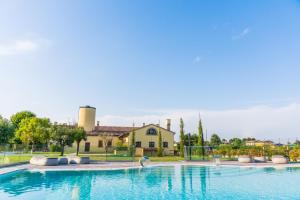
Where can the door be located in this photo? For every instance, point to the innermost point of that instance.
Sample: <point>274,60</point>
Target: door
<point>87,147</point>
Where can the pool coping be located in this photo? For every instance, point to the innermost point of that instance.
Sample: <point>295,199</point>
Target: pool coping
<point>100,166</point>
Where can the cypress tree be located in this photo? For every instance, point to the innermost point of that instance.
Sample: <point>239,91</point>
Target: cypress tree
<point>132,143</point>
<point>160,150</point>
<point>201,138</point>
<point>181,138</point>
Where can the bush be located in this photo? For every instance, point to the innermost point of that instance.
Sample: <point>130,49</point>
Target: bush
<point>294,154</point>
<point>54,148</point>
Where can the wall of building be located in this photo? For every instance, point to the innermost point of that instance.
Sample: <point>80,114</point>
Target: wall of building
<point>94,140</point>
<point>167,136</point>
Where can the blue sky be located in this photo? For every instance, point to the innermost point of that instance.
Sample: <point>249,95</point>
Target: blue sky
<point>148,60</point>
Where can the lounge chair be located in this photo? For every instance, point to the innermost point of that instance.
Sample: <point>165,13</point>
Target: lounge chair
<point>78,160</point>
<point>260,159</point>
<point>278,159</point>
<point>244,159</point>
<point>63,161</point>
<point>43,161</point>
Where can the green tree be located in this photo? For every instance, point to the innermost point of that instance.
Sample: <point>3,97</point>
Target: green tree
<point>181,138</point>
<point>33,131</point>
<point>132,142</point>
<point>160,149</point>
<point>236,143</point>
<point>193,139</point>
<point>19,116</point>
<point>62,135</point>
<point>6,131</point>
<point>79,134</point>
<point>215,140</point>
<point>297,142</point>
<point>201,138</point>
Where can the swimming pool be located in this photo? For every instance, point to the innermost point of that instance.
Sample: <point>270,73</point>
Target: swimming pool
<point>171,182</point>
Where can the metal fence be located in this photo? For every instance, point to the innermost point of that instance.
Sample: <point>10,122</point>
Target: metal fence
<point>13,154</point>
<point>198,153</point>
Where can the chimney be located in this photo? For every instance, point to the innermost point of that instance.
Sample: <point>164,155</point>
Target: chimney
<point>98,123</point>
<point>168,124</point>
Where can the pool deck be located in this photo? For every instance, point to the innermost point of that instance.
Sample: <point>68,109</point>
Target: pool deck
<point>129,165</point>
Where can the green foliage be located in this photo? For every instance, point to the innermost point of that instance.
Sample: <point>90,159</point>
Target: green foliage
<point>200,134</point>
<point>17,118</point>
<point>297,142</point>
<point>236,143</point>
<point>78,134</point>
<point>225,149</point>
<point>294,154</point>
<point>132,142</point>
<point>6,131</point>
<point>33,131</point>
<point>193,139</point>
<point>181,138</point>
<point>160,149</point>
<point>119,144</point>
<point>54,148</point>
<point>215,140</point>
<point>62,136</point>
<point>201,138</point>
<point>280,151</point>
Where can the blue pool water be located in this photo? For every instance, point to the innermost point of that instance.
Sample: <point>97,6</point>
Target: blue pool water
<point>176,182</point>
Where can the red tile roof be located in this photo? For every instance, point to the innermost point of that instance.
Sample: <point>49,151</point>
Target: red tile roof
<point>112,130</point>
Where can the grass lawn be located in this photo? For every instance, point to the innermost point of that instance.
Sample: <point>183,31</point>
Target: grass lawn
<point>166,159</point>
<point>13,159</point>
<point>9,159</point>
<point>126,158</point>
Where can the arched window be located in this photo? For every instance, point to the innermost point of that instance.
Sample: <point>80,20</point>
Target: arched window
<point>151,131</point>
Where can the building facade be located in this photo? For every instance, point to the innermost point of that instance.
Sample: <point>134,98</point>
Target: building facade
<point>102,139</point>
<point>259,143</point>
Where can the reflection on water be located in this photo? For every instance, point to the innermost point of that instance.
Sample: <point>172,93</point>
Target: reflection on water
<point>27,181</point>
<point>179,182</point>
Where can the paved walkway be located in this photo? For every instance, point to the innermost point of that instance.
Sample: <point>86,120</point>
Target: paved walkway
<point>128,165</point>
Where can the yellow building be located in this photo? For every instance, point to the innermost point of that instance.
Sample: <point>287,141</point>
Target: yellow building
<point>107,138</point>
<point>259,143</point>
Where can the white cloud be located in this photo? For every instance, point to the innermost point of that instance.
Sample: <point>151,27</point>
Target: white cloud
<point>262,122</point>
<point>242,34</point>
<point>17,47</point>
<point>197,59</point>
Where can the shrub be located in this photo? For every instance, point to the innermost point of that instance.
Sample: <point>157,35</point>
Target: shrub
<point>55,148</point>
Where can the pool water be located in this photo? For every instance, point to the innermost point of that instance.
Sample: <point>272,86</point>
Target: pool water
<point>175,182</point>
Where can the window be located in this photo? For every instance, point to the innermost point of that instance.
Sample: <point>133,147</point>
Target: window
<point>165,144</point>
<point>109,143</point>
<point>151,144</point>
<point>138,144</point>
<point>100,143</point>
<point>151,131</point>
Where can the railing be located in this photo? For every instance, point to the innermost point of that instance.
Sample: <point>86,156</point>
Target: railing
<point>14,154</point>
<point>198,153</point>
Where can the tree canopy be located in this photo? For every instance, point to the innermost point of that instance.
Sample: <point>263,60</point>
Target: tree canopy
<point>215,140</point>
<point>236,143</point>
<point>6,131</point>
<point>19,116</point>
<point>160,149</point>
<point>33,131</point>
<point>78,135</point>
<point>181,138</point>
<point>62,135</point>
